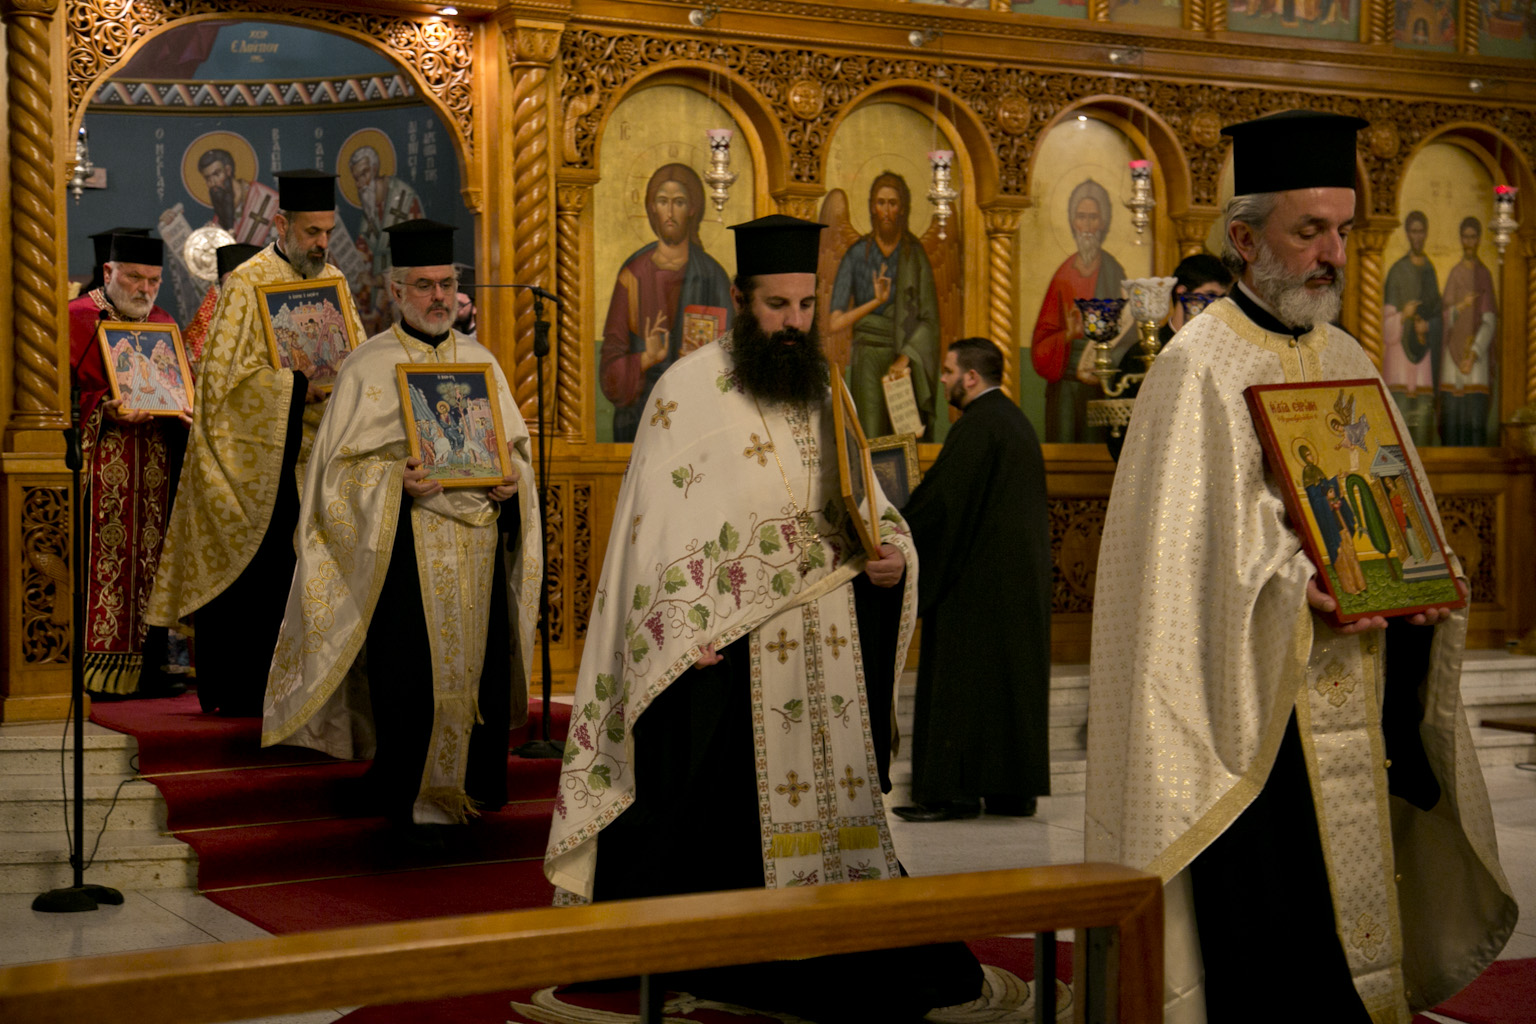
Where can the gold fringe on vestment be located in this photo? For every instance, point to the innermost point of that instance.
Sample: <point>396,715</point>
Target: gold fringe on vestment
<point>796,844</point>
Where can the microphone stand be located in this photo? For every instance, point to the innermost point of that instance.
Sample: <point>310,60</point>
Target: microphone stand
<point>544,746</point>
<point>79,896</point>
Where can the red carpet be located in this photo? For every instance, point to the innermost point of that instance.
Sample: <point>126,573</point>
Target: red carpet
<point>275,843</point>
<point>1503,994</point>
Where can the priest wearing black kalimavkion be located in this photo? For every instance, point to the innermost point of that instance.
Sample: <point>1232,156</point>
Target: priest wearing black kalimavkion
<point>430,593</point>
<point>129,480</point>
<point>735,690</point>
<point>229,545</point>
<point>1310,794</point>
<point>979,519</point>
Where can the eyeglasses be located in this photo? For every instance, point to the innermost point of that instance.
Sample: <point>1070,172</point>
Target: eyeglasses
<point>449,285</point>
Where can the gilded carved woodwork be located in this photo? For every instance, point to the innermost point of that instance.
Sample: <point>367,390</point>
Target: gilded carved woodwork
<point>532,51</point>
<point>808,89</point>
<point>1191,230</point>
<point>1002,224</point>
<point>45,575</point>
<point>570,353</point>
<point>554,558</point>
<point>1471,530</point>
<point>38,381</point>
<point>99,32</point>
<point>1077,524</point>
<point>1528,239</point>
<point>1371,240</point>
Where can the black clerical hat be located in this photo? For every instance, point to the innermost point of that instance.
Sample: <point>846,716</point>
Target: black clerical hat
<point>777,244</point>
<point>102,240</point>
<point>1293,149</point>
<point>231,256</point>
<point>421,243</point>
<point>306,191</point>
<point>149,252</point>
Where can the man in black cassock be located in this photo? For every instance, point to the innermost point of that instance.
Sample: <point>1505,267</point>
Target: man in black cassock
<point>984,677</point>
<point>695,823</point>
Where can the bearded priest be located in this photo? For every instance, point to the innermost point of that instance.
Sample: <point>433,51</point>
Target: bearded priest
<point>229,548</point>
<point>734,700</point>
<point>409,625</point>
<point>130,457</point>
<point>1310,794</point>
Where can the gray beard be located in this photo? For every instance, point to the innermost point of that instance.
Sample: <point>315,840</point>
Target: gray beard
<point>419,322</point>
<point>307,266</point>
<point>1288,295</point>
<point>128,305</point>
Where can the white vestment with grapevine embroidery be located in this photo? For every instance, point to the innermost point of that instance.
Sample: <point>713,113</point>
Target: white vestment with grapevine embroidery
<point>705,550</point>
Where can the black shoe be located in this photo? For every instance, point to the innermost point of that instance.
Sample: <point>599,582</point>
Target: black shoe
<point>938,812</point>
<point>1012,806</point>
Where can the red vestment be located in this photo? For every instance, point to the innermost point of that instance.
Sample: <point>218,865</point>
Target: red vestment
<point>126,498</point>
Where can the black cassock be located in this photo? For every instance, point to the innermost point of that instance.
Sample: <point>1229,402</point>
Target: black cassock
<point>693,827</point>
<point>984,593</point>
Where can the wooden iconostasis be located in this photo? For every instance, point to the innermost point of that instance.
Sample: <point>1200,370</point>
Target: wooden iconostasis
<point>553,133</point>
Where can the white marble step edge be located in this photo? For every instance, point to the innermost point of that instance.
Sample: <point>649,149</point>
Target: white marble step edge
<point>134,852</point>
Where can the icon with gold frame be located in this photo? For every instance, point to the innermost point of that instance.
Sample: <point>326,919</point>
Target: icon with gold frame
<point>146,366</point>
<point>1355,497</point>
<point>308,327</point>
<point>855,475</point>
<point>453,422</point>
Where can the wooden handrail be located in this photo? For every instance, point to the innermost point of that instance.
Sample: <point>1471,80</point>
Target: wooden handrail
<point>416,960</point>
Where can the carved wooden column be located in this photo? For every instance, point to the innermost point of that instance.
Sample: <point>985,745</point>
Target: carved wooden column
<point>1192,228</point>
<point>35,501</point>
<point>1218,15</point>
<point>1002,224</point>
<point>532,49</point>
<point>1370,239</point>
<point>1380,16</point>
<point>1469,26</point>
<point>571,199</point>
<point>801,201</point>
<point>38,399</point>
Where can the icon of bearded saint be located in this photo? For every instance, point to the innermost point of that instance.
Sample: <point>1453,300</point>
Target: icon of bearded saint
<point>886,294</point>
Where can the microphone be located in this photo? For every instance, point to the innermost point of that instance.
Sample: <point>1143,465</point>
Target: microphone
<point>542,293</point>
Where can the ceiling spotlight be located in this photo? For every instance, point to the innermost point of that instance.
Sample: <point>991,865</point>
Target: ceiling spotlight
<point>699,17</point>
<point>1476,85</point>
<point>923,36</point>
<point>1128,55</point>
<point>449,11</point>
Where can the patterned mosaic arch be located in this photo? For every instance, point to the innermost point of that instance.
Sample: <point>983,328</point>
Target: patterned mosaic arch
<point>438,54</point>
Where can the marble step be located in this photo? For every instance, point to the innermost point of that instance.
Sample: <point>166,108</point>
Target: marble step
<point>34,749</point>
<point>128,861</point>
<point>36,826</point>
<point>41,803</point>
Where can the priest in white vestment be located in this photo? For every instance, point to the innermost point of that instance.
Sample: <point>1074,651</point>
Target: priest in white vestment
<point>732,715</point>
<point>430,594</point>
<point>1310,794</point>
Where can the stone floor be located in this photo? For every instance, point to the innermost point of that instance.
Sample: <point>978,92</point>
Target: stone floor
<point>169,917</point>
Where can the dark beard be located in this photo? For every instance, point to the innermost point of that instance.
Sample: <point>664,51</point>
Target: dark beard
<point>786,366</point>
<point>223,202</point>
